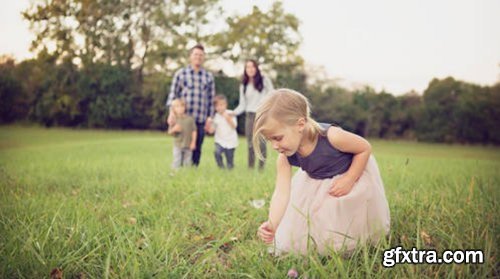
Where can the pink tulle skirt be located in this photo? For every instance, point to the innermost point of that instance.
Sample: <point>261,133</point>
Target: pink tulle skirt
<point>316,220</point>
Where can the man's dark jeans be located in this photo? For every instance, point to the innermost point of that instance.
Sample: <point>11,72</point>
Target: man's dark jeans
<point>200,135</point>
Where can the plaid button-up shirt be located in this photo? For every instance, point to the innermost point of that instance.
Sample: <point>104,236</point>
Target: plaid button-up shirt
<point>197,90</point>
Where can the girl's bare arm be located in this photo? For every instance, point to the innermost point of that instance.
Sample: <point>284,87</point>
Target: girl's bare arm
<point>281,194</point>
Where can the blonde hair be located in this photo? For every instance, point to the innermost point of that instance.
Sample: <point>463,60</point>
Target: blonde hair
<point>177,102</point>
<point>286,106</point>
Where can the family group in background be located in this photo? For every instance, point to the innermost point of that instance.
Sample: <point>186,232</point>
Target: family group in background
<point>335,201</point>
<point>196,87</point>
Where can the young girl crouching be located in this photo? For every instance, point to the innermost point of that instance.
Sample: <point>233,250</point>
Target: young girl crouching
<point>336,199</point>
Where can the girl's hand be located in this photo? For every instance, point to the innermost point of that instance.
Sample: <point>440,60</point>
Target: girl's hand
<point>192,146</point>
<point>266,233</point>
<point>342,186</point>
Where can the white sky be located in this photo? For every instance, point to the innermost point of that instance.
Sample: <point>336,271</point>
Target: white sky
<point>391,44</point>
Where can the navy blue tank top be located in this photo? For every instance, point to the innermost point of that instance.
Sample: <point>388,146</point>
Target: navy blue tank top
<point>325,161</point>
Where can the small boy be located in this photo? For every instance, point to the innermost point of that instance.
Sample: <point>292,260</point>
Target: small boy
<point>224,126</point>
<point>184,131</point>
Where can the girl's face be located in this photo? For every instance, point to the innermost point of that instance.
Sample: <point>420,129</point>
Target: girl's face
<point>250,69</point>
<point>285,139</point>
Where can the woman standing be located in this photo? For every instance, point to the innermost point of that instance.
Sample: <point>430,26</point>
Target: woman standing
<point>254,87</point>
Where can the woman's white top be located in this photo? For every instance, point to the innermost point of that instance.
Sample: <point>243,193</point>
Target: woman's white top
<point>252,98</point>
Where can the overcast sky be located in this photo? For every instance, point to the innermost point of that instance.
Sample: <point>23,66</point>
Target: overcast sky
<point>397,45</point>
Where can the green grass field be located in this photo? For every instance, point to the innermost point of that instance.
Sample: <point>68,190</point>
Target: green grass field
<point>103,204</point>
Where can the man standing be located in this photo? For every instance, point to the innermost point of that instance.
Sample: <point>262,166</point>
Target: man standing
<point>196,86</point>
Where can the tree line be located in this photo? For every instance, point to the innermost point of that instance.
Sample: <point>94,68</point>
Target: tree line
<point>109,64</point>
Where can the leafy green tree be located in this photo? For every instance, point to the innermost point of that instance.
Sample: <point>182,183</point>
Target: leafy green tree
<point>57,101</point>
<point>142,34</point>
<point>438,122</point>
<point>364,99</point>
<point>327,105</point>
<point>11,92</point>
<point>472,114</point>
<point>405,116</point>
<point>271,37</point>
<point>110,98</point>
<point>456,111</point>
<point>493,111</point>
<point>171,27</point>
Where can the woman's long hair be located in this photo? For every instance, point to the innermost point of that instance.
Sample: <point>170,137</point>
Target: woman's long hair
<point>258,81</point>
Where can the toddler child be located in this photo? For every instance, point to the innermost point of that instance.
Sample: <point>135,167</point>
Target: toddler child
<point>184,131</point>
<point>224,127</point>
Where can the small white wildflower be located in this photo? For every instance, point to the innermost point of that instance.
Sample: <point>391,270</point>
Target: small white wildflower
<point>257,203</point>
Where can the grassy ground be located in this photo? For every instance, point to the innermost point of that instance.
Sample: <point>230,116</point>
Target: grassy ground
<point>101,204</point>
